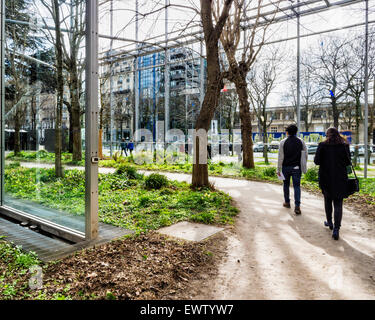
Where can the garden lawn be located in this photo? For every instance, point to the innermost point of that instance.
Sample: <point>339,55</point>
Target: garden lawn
<point>233,170</point>
<point>44,156</point>
<point>126,199</point>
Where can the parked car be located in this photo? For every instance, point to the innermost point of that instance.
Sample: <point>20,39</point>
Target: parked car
<point>361,149</point>
<point>258,147</point>
<point>311,147</point>
<point>274,145</point>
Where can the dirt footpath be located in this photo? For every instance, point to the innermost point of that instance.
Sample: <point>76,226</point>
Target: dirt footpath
<point>274,254</point>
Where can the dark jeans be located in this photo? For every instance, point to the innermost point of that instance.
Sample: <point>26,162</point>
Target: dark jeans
<point>337,205</point>
<point>124,149</point>
<point>296,177</point>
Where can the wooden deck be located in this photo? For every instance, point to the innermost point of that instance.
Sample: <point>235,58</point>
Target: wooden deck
<point>48,248</point>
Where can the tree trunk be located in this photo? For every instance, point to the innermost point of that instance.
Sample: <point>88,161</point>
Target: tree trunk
<point>357,123</point>
<point>246,127</point>
<point>70,147</point>
<point>214,85</point>
<point>76,115</point>
<point>371,126</point>
<point>307,125</point>
<point>265,140</point>
<point>200,170</point>
<point>60,92</point>
<point>335,113</point>
<point>210,102</point>
<point>17,138</point>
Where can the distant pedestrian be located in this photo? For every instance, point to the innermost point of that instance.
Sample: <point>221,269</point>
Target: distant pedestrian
<point>123,146</point>
<point>131,146</point>
<point>333,157</point>
<point>292,161</point>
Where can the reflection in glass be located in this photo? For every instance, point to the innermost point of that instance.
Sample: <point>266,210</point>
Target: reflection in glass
<point>44,113</point>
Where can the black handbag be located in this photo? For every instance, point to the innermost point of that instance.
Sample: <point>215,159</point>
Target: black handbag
<point>352,185</point>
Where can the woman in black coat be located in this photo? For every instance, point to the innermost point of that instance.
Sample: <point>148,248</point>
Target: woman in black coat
<point>333,156</point>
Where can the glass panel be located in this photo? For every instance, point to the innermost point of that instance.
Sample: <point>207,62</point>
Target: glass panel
<point>44,112</point>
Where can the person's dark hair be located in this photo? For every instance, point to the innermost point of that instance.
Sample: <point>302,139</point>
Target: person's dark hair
<point>292,130</point>
<point>333,136</point>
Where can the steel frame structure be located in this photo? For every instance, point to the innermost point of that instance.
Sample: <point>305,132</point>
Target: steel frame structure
<point>288,10</point>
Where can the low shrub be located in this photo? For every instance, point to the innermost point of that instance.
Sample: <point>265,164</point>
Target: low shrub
<point>156,181</point>
<point>312,174</point>
<point>13,165</point>
<point>129,171</point>
<point>47,175</point>
<point>41,154</point>
<point>269,172</point>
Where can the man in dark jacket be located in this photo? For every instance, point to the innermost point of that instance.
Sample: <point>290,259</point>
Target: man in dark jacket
<point>291,163</point>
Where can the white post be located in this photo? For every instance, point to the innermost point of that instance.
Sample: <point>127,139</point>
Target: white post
<point>366,92</point>
<point>111,82</point>
<point>166,76</point>
<point>91,121</point>
<point>298,73</point>
<point>136,75</point>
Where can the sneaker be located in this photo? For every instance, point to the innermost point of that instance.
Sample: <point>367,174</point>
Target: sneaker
<point>286,205</point>
<point>297,210</point>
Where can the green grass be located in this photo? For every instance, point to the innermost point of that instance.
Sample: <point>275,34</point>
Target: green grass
<point>232,169</point>
<point>14,269</point>
<point>123,202</point>
<point>44,157</point>
<point>367,186</point>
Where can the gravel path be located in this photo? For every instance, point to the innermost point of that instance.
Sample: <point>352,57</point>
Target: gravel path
<point>274,254</point>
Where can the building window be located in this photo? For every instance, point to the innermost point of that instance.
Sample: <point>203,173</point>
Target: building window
<point>273,129</point>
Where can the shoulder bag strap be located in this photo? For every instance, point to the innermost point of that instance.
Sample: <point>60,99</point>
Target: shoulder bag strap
<point>350,160</point>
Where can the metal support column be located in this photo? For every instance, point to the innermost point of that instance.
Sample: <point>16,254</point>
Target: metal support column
<point>111,84</point>
<point>136,75</point>
<point>298,73</point>
<point>166,75</point>
<point>186,99</point>
<point>91,121</point>
<point>366,92</point>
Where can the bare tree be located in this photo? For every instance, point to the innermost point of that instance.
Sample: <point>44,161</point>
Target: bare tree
<point>228,112</point>
<point>72,17</point>
<point>18,42</point>
<point>348,116</point>
<point>104,112</point>
<point>262,80</point>
<point>60,90</point>
<point>212,35</point>
<point>239,65</point>
<point>310,92</point>
<point>354,76</point>
<point>328,67</point>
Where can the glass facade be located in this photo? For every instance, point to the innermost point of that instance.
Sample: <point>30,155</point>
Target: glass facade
<point>43,113</point>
